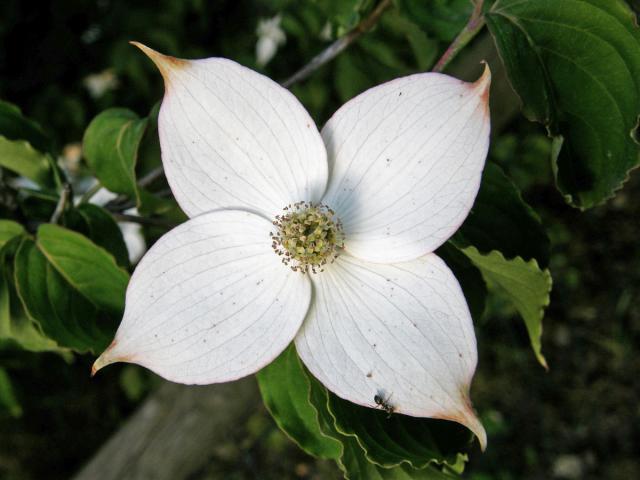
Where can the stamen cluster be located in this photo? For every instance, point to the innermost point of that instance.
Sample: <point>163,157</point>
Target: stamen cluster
<point>308,236</point>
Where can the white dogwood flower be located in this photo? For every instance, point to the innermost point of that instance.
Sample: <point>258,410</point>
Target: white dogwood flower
<point>324,239</point>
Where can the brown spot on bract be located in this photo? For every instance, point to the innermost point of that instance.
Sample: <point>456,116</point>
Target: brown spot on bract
<point>485,96</point>
<point>98,364</point>
<point>483,87</point>
<point>165,63</point>
<point>109,356</point>
<point>465,415</point>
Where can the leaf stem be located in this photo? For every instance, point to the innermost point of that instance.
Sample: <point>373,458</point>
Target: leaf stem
<point>65,195</point>
<point>338,46</point>
<point>91,191</point>
<point>151,177</point>
<point>154,222</point>
<point>471,29</point>
<point>122,202</point>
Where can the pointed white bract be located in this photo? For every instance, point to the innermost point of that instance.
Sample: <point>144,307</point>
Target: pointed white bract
<point>212,301</point>
<point>400,330</point>
<point>232,138</point>
<point>406,160</point>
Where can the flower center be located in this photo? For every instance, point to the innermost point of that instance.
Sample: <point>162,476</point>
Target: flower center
<point>309,236</point>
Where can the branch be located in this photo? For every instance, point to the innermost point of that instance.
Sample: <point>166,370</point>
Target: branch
<point>65,195</point>
<point>122,202</point>
<point>338,46</point>
<point>173,434</point>
<point>154,222</point>
<point>86,196</point>
<point>151,177</point>
<point>470,30</point>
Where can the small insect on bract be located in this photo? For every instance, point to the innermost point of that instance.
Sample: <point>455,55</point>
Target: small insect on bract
<point>384,403</point>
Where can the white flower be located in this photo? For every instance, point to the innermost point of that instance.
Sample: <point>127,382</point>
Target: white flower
<point>270,37</point>
<point>100,83</point>
<point>400,166</point>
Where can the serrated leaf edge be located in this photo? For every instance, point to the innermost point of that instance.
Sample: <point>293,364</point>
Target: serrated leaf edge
<point>556,137</point>
<point>547,298</point>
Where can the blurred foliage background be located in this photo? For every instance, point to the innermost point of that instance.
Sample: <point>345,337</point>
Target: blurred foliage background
<point>62,62</point>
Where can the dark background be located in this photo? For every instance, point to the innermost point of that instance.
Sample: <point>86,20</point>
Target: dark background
<point>579,420</point>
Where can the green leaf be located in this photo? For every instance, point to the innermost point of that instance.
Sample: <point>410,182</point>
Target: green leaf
<point>149,150</point>
<point>25,149</point>
<point>353,461</point>
<point>390,440</point>
<point>523,283</point>
<point>88,268</point>
<point>97,224</point>
<point>20,157</point>
<point>441,18</point>
<point>357,467</point>
<point>37,205</point>
<point>382,52</point>
<point>576,66</point>
<point>15,126</point>
<point>344,13</point>
<point>501,220</point>
<point>8,401</point>
<point>425,49</point>
<point>63,314</point>
<point>285,389</point>
<point>8,230</point>
<point>326,426</point>
<point>16,328</point>
<point>110,146</point>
